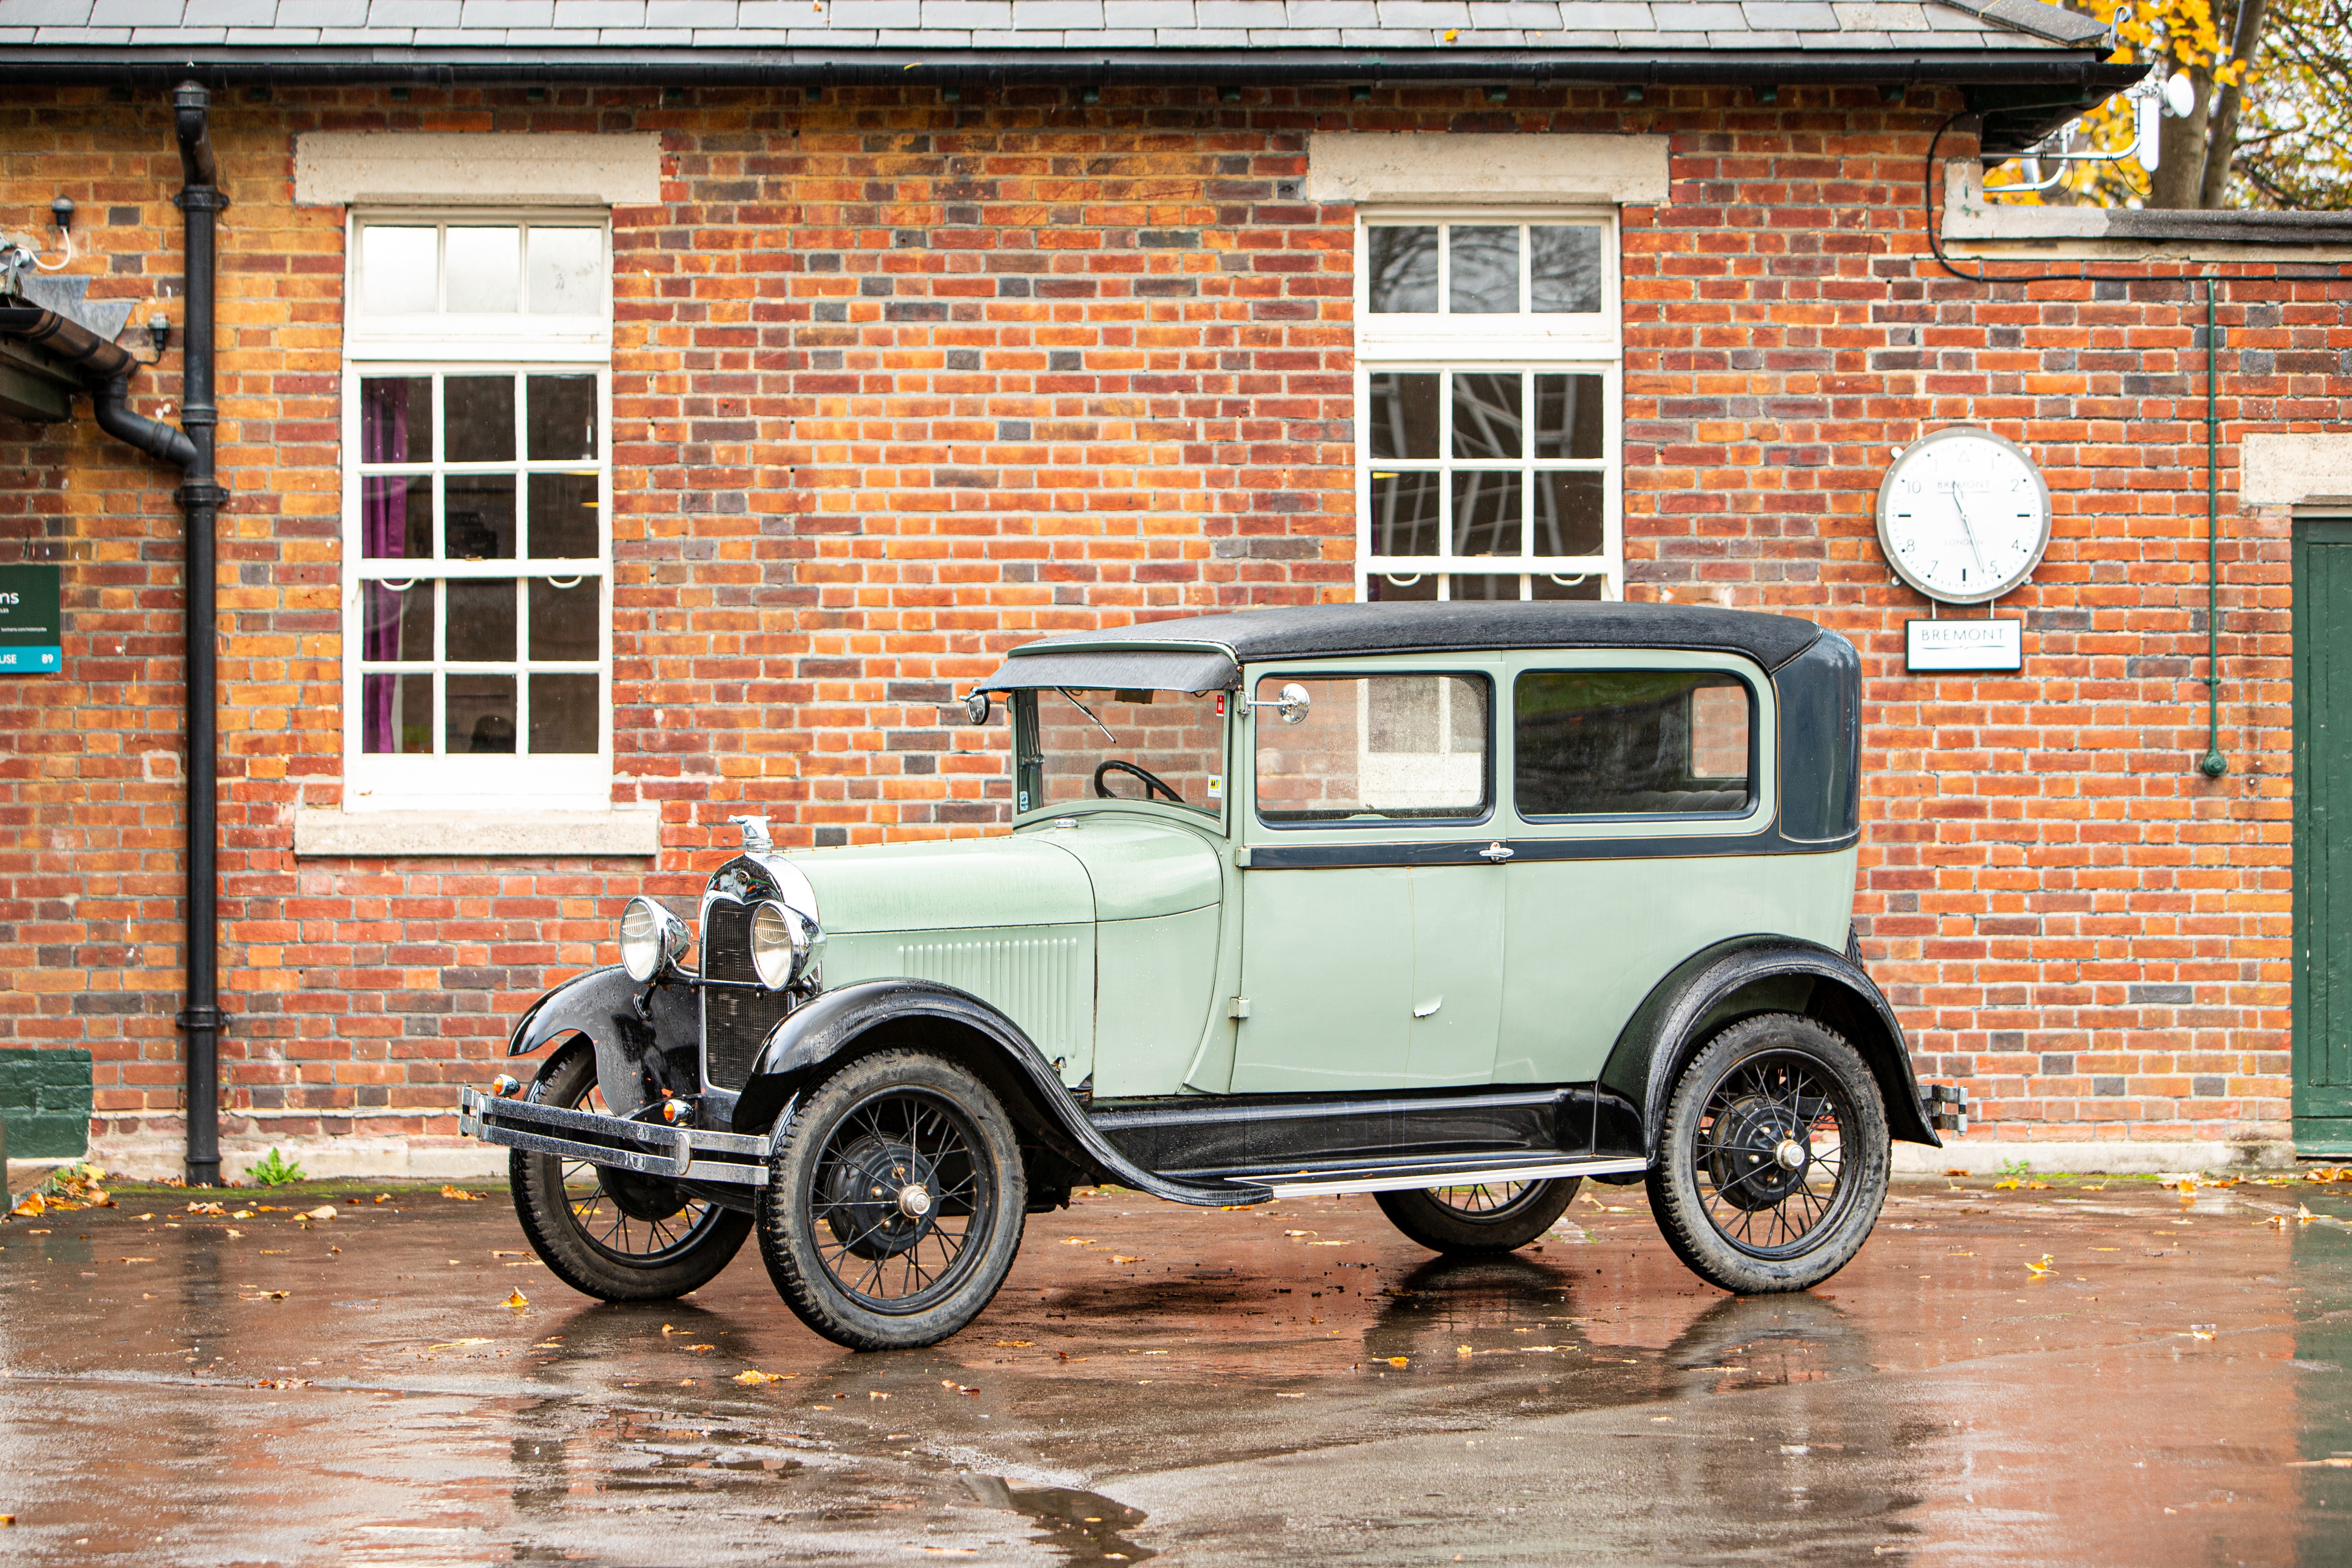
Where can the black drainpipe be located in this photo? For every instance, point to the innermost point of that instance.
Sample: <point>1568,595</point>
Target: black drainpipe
<point>200,500</point>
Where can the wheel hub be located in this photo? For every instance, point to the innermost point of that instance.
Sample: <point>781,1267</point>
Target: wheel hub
<point>877,1197</point>
<point>1762,1153</point>
<point>646,1198</point>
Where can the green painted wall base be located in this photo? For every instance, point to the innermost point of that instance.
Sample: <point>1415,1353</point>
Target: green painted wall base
<point>45,1097</point>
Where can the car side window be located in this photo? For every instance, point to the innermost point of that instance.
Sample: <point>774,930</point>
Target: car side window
<point>1593,742</point>
<point>1375,748</point>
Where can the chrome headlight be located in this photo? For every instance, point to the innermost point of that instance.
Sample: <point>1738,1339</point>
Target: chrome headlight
<point>652,939</point>
<point>783,941</point>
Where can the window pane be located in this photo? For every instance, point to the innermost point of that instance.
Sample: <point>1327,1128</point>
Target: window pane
<point>1486,421</point>
<point>1565,585</point>
<point>1383,588</point>
<point>563,516</point>
<point>481,718</point>
<point>396,625</point>
<point>1176,736</point>
<point>1403,420</point>
<point>567,267</point>
<point>1486,512</point>
<point>396,714</point>
<point>1630,740</point>
<point>563,713</point>
<point>485,271</point>
<point>561,417</point>
<point>1568,416</point>
<point>396,271</point>
<point>1483,586</point>
<point>1375,748</point>
<point>396,517</point>
<point>480,524</point>
<point>1569,510</point>
<point>396,419</point>
<point>563,626</point>
<point>1486,270</point>
<point>1564,268</point>
<point>482,621</point>
<point>1403,266</point>
<point>1405,518</point>
<point>479,418</point>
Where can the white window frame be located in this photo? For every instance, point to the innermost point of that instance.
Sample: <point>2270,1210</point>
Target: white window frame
<point>1554,343</point>
<point>472,345</point>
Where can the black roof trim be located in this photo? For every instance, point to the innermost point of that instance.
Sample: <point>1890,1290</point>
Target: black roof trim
<point>1316,631</point>
<point>290,65</point>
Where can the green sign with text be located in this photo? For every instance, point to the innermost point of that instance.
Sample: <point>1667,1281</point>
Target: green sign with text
<point>31,625</point>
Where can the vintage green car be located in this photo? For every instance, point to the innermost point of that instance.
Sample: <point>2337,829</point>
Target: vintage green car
<point>1454,904</point>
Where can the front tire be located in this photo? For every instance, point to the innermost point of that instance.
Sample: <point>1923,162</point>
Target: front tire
<point>612,1233</point>
<point>1773,1161</point>
<point>1480,1220</point>
<point>894,1203</point>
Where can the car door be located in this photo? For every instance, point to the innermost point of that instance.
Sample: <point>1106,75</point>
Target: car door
<point>1640,804</point>
<point>1372,913</point>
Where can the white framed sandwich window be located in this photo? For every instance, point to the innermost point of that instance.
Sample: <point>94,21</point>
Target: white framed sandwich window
<point>477,494</point>
<point>1490,430</point>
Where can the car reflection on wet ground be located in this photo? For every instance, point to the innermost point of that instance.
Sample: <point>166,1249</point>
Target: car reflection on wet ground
<point>2090,1371</point>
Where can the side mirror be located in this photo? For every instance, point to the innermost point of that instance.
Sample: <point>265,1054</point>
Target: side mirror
<point>975,707</point>
<point>1291,703</point>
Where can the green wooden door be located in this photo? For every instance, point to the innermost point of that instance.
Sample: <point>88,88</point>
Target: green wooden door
<point>2322,837</point>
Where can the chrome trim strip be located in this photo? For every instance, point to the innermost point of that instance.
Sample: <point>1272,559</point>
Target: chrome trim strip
<point>1425,1176</point>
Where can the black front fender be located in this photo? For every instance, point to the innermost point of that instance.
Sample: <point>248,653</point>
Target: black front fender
<point>876,1015</point>
<point>1719,985</point>
<point>646,1037</point>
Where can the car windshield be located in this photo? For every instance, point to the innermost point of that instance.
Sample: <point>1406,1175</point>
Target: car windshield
<point>1078,745</point>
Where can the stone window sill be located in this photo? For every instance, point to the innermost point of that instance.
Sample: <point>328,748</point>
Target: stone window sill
<point>470,834</point>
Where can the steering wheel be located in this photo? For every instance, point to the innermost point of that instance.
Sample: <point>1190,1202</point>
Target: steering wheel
<point>1151,781</point>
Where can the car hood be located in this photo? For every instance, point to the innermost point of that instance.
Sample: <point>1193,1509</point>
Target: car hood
<point>1105,868</point>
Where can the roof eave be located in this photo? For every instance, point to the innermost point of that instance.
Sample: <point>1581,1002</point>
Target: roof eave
<point>2085,69</point>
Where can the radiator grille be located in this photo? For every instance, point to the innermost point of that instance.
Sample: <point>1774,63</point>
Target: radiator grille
<point>734,1020</point>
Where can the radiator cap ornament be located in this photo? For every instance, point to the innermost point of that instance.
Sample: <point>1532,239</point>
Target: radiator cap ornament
<point>755,832</point>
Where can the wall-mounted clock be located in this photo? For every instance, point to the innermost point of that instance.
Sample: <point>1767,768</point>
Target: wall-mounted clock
<point>1963,515</point>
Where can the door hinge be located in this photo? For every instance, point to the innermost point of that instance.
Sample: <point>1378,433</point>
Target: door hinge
<point>1239,1009</point>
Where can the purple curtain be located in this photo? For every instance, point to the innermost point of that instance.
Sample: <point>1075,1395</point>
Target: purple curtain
<point>383,533</point>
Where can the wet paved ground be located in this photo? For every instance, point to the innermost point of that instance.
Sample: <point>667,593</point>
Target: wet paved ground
<point>1297,1384</point>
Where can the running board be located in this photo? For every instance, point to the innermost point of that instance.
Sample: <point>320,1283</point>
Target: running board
<point>1459,1172</point>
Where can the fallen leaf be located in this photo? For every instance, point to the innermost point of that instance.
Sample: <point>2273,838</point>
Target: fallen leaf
<point>455,1344</point>
<point>461,1194</point>
<point>1463,1350</point>
<point>876,1394</point>
<point>1298,1233</point>
<point>1290,1397</point>
<point>1343,1243</point>
<point>1012,1344</point>
<point>324,1211</point>
<point>2303,1214</point>
<point>2037,1186</point>
<point>1956,1171</point>
<point>242,1213</point>
<point>1400,1360</point>
<point>208,1208</point>
<point>2201,1331</point>
<point>2041,1267</point>
<point>383,1197</point>
<point>1116,1259</point>
<point>692,1349</point>
<point>234,1233</point>
<point>668,1331</point>
<point>2008,1186</point>
<point>519,1300</point>
<point>750,1379</point>
<point>1077,1241</point>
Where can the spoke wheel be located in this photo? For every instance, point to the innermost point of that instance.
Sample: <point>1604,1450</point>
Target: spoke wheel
<point>1773,1161</point>
<point>610,1233</point>
<point>894,1202</point>
<point>1480,1218</point>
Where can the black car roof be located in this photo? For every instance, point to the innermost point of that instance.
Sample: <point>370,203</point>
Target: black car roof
<point>1322,630</point>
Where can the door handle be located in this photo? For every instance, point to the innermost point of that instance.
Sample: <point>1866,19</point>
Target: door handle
<point>1497,852</point>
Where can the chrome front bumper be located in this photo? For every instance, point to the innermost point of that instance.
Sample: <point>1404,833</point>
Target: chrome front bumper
<point>680,1154</point>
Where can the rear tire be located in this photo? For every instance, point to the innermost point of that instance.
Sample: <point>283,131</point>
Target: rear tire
<point>1773,1161</point>
<point>894,1203</point>
<point>612,1233</point>
<point>1482,1219</point>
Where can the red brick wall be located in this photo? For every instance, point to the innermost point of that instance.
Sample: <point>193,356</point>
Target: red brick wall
<point>899,382</point>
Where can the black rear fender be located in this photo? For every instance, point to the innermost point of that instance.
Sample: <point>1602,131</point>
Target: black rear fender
<point>1737,979</point>
<point>838,1026</point>
<point>646,1037</point>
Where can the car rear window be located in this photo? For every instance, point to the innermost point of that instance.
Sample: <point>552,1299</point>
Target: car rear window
<point>1594,743</point>
<point>1375,748</point>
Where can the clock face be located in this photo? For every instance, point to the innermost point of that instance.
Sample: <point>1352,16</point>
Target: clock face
<point>1963,515</point>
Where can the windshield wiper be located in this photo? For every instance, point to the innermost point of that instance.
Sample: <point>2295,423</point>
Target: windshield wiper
<point>1089,713</point>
